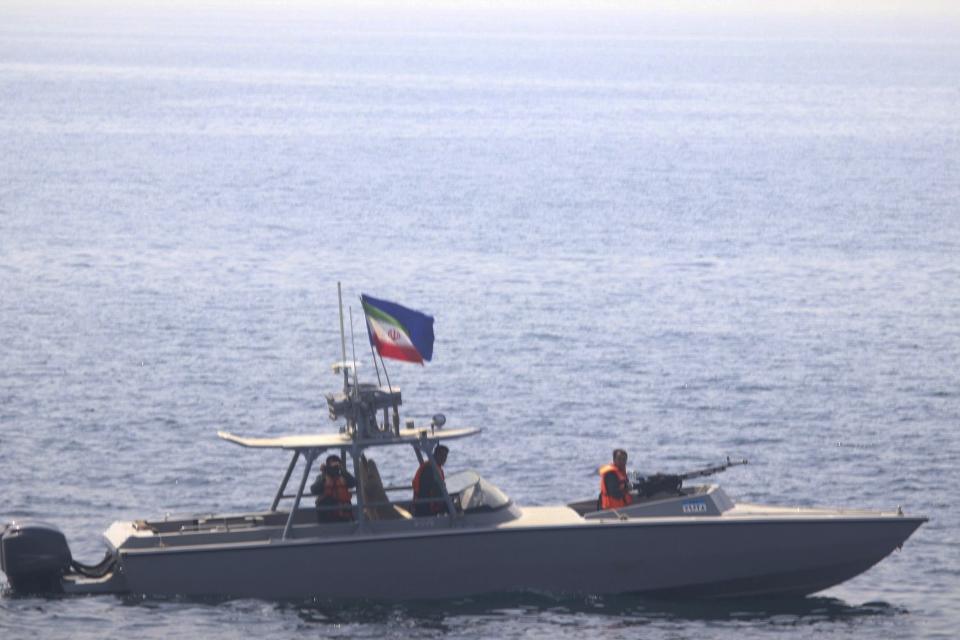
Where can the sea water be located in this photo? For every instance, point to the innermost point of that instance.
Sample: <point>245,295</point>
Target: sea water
<point>633,231</point>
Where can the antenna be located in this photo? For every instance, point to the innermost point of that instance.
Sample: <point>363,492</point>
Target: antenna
<point>343,339</point>
<point>353,353</point>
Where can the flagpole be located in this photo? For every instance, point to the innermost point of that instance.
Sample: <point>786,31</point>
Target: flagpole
<point>375,365</point>
<point>389,386</point>
<point>343,341</point>
<point>372,352</point>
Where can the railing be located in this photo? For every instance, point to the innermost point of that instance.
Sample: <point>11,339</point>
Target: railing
<point>379,504</point>
<point>353,492</point>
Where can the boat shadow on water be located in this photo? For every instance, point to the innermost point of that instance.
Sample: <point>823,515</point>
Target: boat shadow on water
<point>622,610</point>
<point>449,615</point>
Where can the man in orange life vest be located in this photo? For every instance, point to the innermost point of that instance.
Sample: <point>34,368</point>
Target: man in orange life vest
<point>614,485</point>
<point>428,485</point>
<point>332,487</point>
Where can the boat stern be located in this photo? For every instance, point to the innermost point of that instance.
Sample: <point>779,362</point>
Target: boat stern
<point>36,559</point>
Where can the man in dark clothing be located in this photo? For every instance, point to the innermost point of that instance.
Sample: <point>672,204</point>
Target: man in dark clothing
<point>614,485</point>
<point>427,484</point>
<point>332,488</point>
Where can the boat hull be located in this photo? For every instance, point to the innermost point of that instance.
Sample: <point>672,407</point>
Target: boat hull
<point>719,557</point>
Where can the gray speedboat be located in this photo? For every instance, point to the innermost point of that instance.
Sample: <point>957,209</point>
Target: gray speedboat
<point>672,541</point>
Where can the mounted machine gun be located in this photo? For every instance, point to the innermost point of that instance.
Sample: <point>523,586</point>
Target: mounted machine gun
<point>647,486</point>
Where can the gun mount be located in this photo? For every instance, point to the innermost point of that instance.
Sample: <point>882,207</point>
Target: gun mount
<point>360,403</point>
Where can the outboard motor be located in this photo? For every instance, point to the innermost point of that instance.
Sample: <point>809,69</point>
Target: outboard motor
<point>34,556</point>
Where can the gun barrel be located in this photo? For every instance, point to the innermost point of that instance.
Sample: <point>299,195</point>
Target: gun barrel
<point>709,471</point>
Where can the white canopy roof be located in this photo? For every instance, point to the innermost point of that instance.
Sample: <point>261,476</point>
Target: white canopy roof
<point>338,440</point>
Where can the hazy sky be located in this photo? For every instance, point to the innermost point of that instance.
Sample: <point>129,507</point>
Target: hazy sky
<point>701,7</point>
<point>914,19</point>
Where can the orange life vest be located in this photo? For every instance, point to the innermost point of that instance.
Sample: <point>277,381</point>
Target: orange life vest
<point>438,506</point>
<point>608,501</point>
<point>337,489</point>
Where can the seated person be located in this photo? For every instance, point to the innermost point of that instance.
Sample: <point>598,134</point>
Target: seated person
<point>332,488</point>
<point>427,484</point>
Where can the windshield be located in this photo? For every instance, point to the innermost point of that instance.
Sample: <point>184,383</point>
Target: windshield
<point>474,493</point>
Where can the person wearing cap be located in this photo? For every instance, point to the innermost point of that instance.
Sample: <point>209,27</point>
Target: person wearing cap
<point>332,488</point>
<point>428,485</point>
<point>614,485</point>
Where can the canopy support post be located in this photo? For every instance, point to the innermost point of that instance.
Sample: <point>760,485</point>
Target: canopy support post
<point>358,474</point>
<point>286,479</point>
<point>310,455</point>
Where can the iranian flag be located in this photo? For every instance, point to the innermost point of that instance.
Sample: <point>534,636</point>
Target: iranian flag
<point>397,332</point>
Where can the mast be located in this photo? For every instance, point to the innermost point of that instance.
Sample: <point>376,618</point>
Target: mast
<point>353,351</point>
<point>343,341</point>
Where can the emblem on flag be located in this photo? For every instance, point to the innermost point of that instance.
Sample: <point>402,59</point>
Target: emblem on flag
<point>397,332</point>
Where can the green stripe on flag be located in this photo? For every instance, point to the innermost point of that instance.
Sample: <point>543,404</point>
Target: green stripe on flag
<point>377,314</point>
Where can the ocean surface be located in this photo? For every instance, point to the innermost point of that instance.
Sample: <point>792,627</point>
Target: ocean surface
<point>690,243</point>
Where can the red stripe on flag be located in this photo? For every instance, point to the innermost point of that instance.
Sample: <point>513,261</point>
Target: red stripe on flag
<point>396,352</point>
